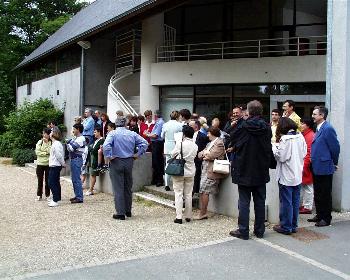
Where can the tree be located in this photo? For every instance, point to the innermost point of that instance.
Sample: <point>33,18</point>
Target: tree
<point>24,26</point>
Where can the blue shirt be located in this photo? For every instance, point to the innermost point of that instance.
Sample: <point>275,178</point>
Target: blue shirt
<point>121,143</point>
<point>157,130</point>
<point>89,125</point>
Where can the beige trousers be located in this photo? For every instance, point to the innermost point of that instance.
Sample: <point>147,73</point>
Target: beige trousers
<point>183,187</point>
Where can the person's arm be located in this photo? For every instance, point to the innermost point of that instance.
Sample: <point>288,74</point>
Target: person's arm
<point>59,153</point>
<point>107,146</point>
<point>73,145</point>
<point>216,151</point>
<point>141,145</point>
<point>282,152</point>
<point>89,125</point>
<point>176,151</point>
<point>333,144</point>
<point>38,150</point>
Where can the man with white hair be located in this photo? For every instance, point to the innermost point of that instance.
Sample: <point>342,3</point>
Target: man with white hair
<point>89,125</point>
<point>119,147</point>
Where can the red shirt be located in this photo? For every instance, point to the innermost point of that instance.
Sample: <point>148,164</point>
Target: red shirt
<point>144,127</point>
<point>307,175</point>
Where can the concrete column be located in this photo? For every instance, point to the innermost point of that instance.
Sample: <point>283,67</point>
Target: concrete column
<point>152,37</point>
<point>338,98</point>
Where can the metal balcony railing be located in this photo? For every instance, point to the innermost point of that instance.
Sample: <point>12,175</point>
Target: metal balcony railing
<point>291,46</point>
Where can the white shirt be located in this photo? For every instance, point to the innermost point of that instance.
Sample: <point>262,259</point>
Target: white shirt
<point>195,137</point>
<point>289,154</point>
<point>56,154</point>
<point>189,152</point>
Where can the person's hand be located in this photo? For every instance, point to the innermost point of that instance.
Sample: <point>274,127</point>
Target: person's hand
<point>136,156</point>
<point>64,165</point>
<point>336,167</point>
<point>229,150</point>
<point>233,123</point>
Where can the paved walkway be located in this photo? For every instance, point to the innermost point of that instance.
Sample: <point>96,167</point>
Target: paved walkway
<point>84,242</point>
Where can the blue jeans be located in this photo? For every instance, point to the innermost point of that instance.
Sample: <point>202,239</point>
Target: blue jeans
<point>289,207</point>
<point>75,167</point>
<point>54,182</point>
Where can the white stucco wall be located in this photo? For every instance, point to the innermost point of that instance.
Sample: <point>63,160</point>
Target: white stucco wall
<point>68,85</point>
<point>245,70</point>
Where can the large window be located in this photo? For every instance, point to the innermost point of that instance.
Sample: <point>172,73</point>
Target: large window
<point>213,20</point>
<point>218,100</point>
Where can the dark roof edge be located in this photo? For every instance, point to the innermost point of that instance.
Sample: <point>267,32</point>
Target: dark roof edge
<point>100,26</point>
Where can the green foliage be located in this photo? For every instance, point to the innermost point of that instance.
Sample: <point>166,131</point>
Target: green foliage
<point>28,121</point>
<point>24,26</point>
<point>22,156</point>
<point>7,144</point>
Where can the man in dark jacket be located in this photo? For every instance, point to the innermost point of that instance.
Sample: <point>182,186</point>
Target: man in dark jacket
<point>251,142</point>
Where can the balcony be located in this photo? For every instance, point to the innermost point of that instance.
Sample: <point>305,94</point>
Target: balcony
<point>276,47</point>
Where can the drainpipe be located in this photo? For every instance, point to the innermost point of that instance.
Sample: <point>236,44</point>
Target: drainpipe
<point>329,54</point>
<point>85,45</point>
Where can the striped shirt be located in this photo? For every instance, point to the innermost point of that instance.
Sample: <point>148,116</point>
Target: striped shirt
<point>76,147</point>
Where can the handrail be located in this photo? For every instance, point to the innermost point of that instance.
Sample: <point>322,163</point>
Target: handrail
<point>114,91</point>
<point>264,47</point>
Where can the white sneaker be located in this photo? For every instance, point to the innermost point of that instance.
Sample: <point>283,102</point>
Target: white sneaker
<point>53,204</point>
<point>89,193</point>
<point>38,198</point>
<point>48,198</point>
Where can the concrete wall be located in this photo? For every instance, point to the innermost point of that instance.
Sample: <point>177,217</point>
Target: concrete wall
<point>226,201</point>
<point>99,68</point>
<point>338,99</point>
<point>141,173</point>
<point>63,89</point>
<point>152,37</point>
<point>246,70</point>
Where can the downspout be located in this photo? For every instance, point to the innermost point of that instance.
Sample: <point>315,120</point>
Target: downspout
<point>82,72</point>
<point>329,55</point>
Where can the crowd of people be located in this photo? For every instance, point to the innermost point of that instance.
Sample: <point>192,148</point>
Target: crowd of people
<point>304,158</point>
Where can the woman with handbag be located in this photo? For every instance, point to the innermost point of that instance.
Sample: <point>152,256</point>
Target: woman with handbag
<point>183,185</point>
<point>209,179</point>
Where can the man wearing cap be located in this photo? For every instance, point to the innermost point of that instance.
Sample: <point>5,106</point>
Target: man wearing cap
<point>119,147</point>
<point>89,125</point>
<point>157,149</point>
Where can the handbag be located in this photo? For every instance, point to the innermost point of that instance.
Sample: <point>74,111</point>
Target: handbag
<point>221,166</point>
<point>176,166</point>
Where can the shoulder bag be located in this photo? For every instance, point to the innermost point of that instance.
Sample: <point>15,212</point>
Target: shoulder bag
<point>176,166</point>
<point>221,166</point>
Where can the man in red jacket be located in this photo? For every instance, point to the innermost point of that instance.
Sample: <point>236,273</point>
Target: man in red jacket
<point>307,189</point>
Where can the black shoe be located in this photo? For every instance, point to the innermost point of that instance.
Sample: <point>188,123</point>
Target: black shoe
<point>76,201</point>
<point>294,230</point>
<point>281,230</point>
<point>313,220</point>
<point>188,220</point>
<point>128,214</point>
<point>236,233</point>
<point>178,221</point>
<point>259,235</point>
<point>322,223</point>
<point>159,184</point>
<point>167,188</point>
<point>73,198</point>
<point>118,217</point>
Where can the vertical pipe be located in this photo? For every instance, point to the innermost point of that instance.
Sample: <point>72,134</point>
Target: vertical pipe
<point>329,53</point>
<point>82,72</point>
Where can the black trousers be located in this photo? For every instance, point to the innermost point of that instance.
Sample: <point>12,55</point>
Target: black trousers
<point>197,176</point>
<point>259,197</point>
<point>158,161</point>
<point>41,172</point>
<point>323,197</point>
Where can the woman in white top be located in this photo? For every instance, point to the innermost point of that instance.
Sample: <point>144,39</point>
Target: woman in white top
<point>56,162</point>
<point>289,151</point>
<point>183,185</point>
<point>168,131</point>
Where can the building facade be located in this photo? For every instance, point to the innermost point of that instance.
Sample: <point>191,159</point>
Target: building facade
<point>203,55</point>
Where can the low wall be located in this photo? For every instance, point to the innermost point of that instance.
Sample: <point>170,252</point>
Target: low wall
<point>226,201</point>
<point>141,174</point>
